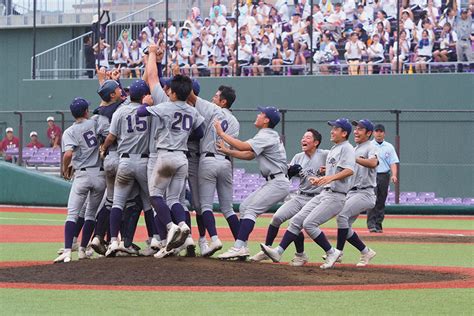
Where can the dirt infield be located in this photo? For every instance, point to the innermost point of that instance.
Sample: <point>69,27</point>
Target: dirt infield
<point>181,271</point>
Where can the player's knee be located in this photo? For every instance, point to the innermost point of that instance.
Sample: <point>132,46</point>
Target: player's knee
<point>310,228</point>
<point>228,213</point>
<point>342,221</point>
<point>276,220</point>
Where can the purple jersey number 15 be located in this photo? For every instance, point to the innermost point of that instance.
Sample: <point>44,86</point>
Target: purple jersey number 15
<point>140,124</point>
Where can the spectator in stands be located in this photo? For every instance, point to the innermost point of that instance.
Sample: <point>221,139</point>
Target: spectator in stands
<point>354,50</point>
<point>382,18</point>
<point>244,55</point>
<point>200,59</point>
<point>300,59</point>
<point>144,41</point>
<point>264,55</point>
<point>361,17</point>
<point>218,18</point>
<point>425,51</point>
<point>186,38</point>
<point>326,7</point>
<point>327,53</point>
<point>9,142</point>
<point>125,39</point>
<point>151,29</point>
<point>387,170</point>
<point>361,33</point>
<point>447,45</point>
<point>407,23</point>
<point>171,33</point>
<point>403,52</point>
<point>283,11</point>
<point>53,132</point>
<point>432,12</point>
<point>135,59</point>
<point>231,29</point>
<point>285,57</point>
<point>464,30</point>
<point>384,36</point>
<point>303,8</point>
<point>448,17</point>
<point>120,57</point>
<point>335,21</point>
<point>89,56</point>
<point>375,53</point>
<point>318,17</point>
<point>34,142</point>
<point>180,56</point>
<point>102,54</point>
<point>217,5</point>
<point>349,8</point>
<point>220,58</point>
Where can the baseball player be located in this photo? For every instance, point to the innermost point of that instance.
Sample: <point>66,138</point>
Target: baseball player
<point>267,147</point>
<point>131,133</point>
<point>361,197</point>
<point>176,121</point>
<point>215,169</point>
<point>303,165</point>
<point>158,84</point>
<point>79,225</point>
<point>81,147</point>
<point>340,164</point>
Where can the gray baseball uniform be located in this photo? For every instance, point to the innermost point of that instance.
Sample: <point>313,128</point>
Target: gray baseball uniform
<point>271,158</point>
<point>132,147</point>
<point>330,201</point>
<point>176,120</point>
<point>306,191</point>
<point>215,169</point>
<point>193,173</point>
<point>361,197</point>
<point>89,178</point>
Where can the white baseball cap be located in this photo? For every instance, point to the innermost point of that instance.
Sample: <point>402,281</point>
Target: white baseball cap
<point>33,133</point>
<point>50,118</point>
<point>9,129</point>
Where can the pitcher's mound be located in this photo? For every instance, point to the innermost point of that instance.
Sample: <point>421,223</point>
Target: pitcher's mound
<point>182,271</point>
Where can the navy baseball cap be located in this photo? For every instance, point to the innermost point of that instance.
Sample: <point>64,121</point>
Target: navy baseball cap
<point>365,123</point>
<point>196,87</point>
<point>379,127</point>
<point>78,106</point>
<point>165,82</point>
<point>272,113</point>
<point>342,123</point>
<point>106,89</point>
<point>138,89</point>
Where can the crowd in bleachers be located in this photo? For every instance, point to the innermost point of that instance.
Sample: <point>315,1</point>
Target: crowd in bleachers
<point>276,39</point>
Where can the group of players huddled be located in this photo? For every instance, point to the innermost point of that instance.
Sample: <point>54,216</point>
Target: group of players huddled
<point>140,147</point>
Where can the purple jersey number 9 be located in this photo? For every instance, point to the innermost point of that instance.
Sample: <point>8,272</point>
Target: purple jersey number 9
<point>182,122</point>
<point>90,139</point>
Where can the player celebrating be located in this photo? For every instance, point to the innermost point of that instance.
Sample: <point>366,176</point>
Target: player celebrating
<point>361,196</point>
<point>267,148</point>
<point>339,167</point>
<point>130,132</point>
<point>81,147</point>
<point>303,165</point>
<point>176,122</point>
<point>215,169</point>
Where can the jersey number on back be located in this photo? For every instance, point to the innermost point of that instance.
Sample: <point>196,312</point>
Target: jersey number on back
<point>182,122</point>
<point>140,124</point>
<point>90,139</point>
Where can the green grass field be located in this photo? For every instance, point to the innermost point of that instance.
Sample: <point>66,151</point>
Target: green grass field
<point>388,302</point>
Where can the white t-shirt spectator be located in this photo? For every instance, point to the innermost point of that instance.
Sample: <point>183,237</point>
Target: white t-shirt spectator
<point>245,53</point>
<point>181,56</point>
<point>265,51</point>
<point>426,50</point>
<point>135,55</point>
<point>231,31</point>
<point>296,27</point>
<point>349,8</point>
<point>446,39</point>
<point>404,48</point>
<point>375,51</point>
<point>288,57</point>
<point>221,20</point>
<point>390,7</point>
<point>354,50</point>
<point>187,42</point>
<point>221,54</point>
<point>284,12</point>
<point>318,17</point>
<point>204,59</point>
<point>172,33</point>
<point>104,58</point>
<point>337,17</point>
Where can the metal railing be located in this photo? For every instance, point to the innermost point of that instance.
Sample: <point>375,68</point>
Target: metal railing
<point>69,56</point>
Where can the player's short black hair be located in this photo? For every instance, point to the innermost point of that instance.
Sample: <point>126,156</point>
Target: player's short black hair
<point>228,94</point>
<point>182,86</point>
<point>316,135</point>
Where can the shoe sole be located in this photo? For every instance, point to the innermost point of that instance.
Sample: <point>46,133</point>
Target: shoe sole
<point>181,239</point>
<point>190,251</point>
<point>99,249</point>
<point>237,257</point>
<point>370,259</point>
<point>213,251</point>
<point>268,255</point>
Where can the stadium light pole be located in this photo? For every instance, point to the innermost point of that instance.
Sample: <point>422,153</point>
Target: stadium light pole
<point>166,36</point>
<point>398,36</point>
<point>33,64</point>
<point>311,37</point>
<point>237,15</point>
<point>97,33</point>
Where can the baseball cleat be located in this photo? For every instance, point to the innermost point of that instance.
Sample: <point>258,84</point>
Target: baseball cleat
<point>113,248</point>
<point>203,246</point>
<point>299,260</point>
<point>89,252</point>
<point>81,254</point>
<point>189,246</point>
<point>272,253</point>
<point>156,244</point>
<point>163,253</point>
<point>173,237</point>
<point>214,247</point>
<point>235,253</point>
<point>64,257</point>
<point>365,258</point>
<point>98,244</point>
<point>260,256</point>
<point>339,260</point>
<point>331,259</point>
<point>147,252</point>
<point>121,253</point>
<point>75,247</point>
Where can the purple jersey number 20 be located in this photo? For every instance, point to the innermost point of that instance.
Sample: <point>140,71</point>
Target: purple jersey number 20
<point>182,122</point>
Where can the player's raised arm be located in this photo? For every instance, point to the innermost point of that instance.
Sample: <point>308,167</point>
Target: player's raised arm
<point>234,142</point>
<point>151,67</point>
<point>244,155</point>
